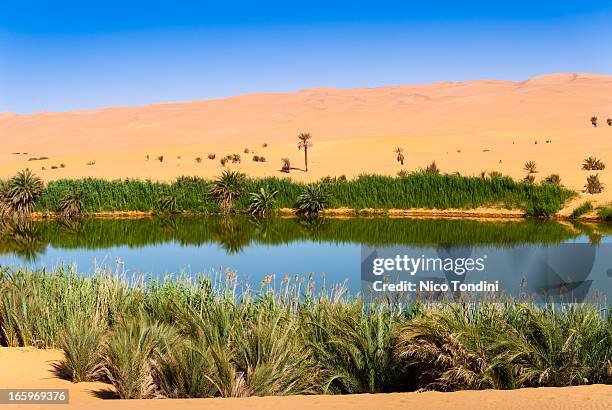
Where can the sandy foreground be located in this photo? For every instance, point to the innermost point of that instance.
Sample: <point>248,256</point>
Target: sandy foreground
<point>32,368</point>
<point>467,127</point>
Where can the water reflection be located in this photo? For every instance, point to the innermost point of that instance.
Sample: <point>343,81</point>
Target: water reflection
<point>28,239</point>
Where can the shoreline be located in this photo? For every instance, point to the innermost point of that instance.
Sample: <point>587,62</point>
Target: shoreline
<point>451,213</point>
<point>33,368</point>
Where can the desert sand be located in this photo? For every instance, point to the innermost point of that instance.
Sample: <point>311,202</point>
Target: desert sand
<point>32,368</point>
<point>468,127</point>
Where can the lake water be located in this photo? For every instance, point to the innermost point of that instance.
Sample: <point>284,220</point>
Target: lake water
<point>256,248</point>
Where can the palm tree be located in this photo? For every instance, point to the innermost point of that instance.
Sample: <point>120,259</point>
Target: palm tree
<point>227,188</point>
<point>71,203</point>
<point>400,156</point>
<point>262,202</point>
<point>594,121</point>
<point>304,144</point>
<point>312,200</point>
<point>19,195</point>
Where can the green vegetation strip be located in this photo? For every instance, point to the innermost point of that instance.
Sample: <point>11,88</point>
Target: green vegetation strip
<point>417,190</point>
<point>199,338</point>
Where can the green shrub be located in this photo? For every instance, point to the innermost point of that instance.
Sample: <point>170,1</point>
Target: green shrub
<point>530,167</point>
<point>227,188</point>
<point>129,353</point>
<point>584,208</point>
<point>262,202</point>
<point>313,200</point>
<point>593,164</point>
<point>553,179</point>
<point>82,340</point>
<point>593,185</point>
<point>19,194</point>
<point>605,213</point>
<point>71,203</point>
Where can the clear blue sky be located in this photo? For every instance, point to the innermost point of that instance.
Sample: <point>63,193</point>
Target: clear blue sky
<point>64,55</point>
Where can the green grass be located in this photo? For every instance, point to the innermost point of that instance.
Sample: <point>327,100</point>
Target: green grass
<point>195,337</point>
<point>417,190</point>
<point>605,213</point>
<point>584,208</point>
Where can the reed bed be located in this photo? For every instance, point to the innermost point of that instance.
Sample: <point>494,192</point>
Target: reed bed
<point>416,190</point>
<point>217,337</point>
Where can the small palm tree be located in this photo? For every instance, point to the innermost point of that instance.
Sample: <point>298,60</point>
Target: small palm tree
<point>594,121</point>
<point>432,168</point>
<point>609,122</point>
<point>168,203</point>
<point>19,195</point>
<point>593,185</point>
<point>71,203</point>
<point>262,202</point>
<point>592,163</point>
<point>400,156</point>
<point>227,188</point>
<point>554,179</point>
<point>531,167</point>
<point>286,167</point>
<point>312,200</point>
<point>304,143</point>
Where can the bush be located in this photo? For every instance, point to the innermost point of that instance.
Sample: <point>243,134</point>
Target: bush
<point>262,202</point>
<point>286,165</point>
<point>553,179</point>
<point>593,164</point>
<point>530,167</point>
<point>82,340</point>
<point>227,188</point>
<point>18,196</point>
<point>584,208</point>
<point>605,214</point>
<point>168,203</point>
<point>593,185</point>
<point>129,355</point>
<point>313,200</point>
<point>71,203</point>
<point>529,179</point>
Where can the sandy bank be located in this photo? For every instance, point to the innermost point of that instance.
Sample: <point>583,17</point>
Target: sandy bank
<point>32,368</point>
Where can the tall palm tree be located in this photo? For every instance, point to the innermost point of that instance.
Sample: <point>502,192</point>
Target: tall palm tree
<point>304,144</point>
<point>400,156</point>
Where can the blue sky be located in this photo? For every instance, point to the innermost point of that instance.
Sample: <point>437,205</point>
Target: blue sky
<point>66,55</point>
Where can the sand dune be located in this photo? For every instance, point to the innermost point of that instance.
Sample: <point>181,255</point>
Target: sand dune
<point>465,126</point>
<point>31,368</point>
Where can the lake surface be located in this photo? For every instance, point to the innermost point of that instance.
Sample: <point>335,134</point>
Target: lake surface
<point>256,248</point>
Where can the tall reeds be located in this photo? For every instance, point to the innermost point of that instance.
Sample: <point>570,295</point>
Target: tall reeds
<point>199,337</point>
<point>415,190</point>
